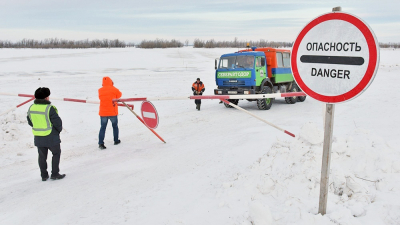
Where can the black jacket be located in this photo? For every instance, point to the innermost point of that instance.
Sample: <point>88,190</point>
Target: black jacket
<point>54,137</point>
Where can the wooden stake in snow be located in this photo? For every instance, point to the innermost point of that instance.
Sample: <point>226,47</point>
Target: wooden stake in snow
<point>326,158</point>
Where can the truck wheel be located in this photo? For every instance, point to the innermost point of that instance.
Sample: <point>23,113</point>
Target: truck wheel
<point>265,103</point>
<point>301,98</point>
<point>234,101</point>
<point>292,100</point>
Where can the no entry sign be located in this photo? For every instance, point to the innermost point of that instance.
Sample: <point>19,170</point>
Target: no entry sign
<point>335,57</point>
<point>149,114</point>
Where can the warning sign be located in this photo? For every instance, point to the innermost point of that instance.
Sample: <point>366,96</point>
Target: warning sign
<point>335,57</point>
<point>149,114</point>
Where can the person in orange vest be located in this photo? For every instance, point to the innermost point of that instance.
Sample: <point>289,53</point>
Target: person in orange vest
<point>198,89</point>
<point>108,110</point>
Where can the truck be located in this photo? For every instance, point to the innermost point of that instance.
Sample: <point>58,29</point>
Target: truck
<point>256,71</point>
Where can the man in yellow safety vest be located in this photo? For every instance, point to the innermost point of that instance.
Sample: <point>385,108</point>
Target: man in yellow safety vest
<point>46,127</point>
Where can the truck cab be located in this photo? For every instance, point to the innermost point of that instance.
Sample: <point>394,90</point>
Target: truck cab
<point>240,73</point>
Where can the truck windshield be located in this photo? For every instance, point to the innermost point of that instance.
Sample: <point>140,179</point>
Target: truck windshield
<point>245,61</point>
<point>227,62</point>
<point>232,62</point>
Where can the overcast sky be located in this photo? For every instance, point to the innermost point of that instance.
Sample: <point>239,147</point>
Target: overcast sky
<point>133,21</point>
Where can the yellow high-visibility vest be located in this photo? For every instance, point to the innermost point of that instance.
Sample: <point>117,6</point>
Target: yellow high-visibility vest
<point>40,118</point>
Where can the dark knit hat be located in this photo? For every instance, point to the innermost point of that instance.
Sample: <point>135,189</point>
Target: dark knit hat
<point>198,79</point>
<point>42,93</point>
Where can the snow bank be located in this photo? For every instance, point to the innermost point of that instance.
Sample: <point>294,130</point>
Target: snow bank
<point>282,187</point>
<point>14,138</point>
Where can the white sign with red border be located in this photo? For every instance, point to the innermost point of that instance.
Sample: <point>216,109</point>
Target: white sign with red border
<point>149,114</point>
<point>335,57</point>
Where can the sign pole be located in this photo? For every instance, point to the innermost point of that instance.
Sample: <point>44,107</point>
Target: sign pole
<point>327,149</point>
<point>326,158</point>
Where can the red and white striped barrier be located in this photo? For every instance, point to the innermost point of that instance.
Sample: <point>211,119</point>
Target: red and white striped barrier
<point>219,97</point>
<point>243,110</point>
<point>223,98</point>
<point>15,107</point>
<point>53,98</point>
<point>19,95</point>
<point>255,96</point>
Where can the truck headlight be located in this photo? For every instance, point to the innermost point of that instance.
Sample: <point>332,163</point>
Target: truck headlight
<point>246,92</point>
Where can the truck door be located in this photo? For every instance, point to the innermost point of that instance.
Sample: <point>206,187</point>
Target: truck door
<point>261,73</point>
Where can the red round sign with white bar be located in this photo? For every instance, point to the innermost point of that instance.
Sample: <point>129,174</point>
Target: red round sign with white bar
<point>149,114</point>
<point>335,57</point>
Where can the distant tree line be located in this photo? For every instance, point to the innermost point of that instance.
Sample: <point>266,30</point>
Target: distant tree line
<point>240,44</point>
<point>160,43</point>
<point>261,43</point>
<point>63,43</point>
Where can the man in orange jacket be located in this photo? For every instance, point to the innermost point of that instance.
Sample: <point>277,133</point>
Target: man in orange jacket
<point>108,110</point>
<point>198,89</point>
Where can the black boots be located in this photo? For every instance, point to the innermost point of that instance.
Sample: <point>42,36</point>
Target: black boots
<point>45,178</point>
<point>198,106</point>
<point>57,176</point>
<point>102,147</point>
<point>54,177</point>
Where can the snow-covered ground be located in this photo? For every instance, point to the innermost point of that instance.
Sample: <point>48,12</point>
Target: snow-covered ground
<point>219,165</point>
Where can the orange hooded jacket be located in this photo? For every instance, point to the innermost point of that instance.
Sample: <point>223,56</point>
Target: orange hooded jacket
<point>106,94</point>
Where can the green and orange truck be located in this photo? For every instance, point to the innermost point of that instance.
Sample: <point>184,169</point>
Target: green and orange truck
<point>256,71</point>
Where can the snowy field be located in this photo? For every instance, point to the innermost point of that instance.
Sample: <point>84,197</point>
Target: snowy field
<point>219,166</point>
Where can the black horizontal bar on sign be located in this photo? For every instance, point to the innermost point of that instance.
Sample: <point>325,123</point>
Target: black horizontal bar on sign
<point>323,59</point>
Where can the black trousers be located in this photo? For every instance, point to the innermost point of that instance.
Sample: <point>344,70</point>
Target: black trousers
<point>197,101</point>
<point>55,161</point>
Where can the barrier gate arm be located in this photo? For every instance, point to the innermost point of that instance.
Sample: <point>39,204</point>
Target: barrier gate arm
<point>259,118</point>
<point>15,107</point>
<point>254,96</point>
<point>62,99</point>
